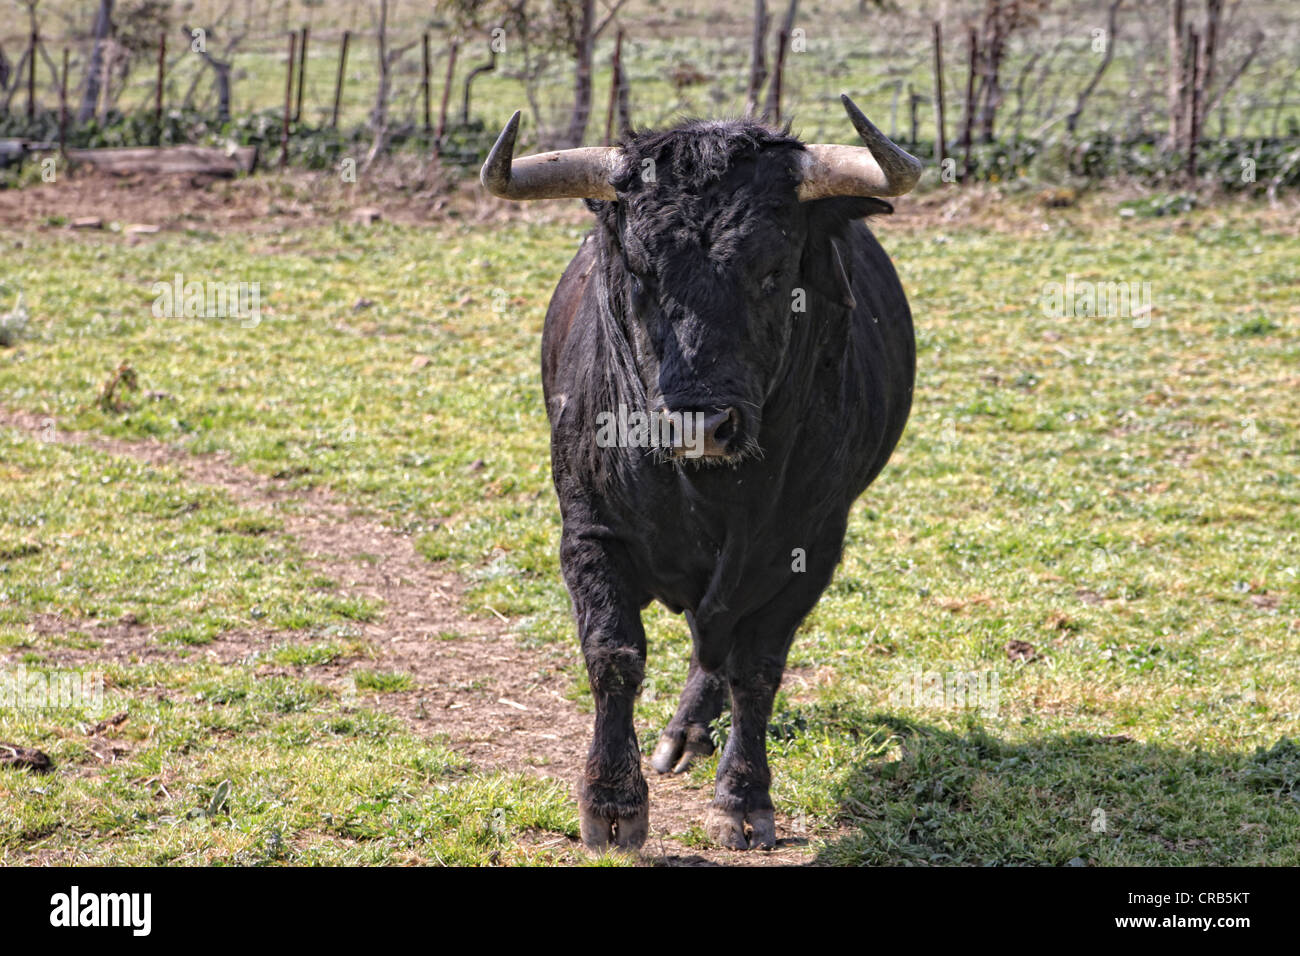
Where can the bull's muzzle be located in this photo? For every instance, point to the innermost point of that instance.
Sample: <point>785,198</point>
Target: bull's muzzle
<point>702,432</point>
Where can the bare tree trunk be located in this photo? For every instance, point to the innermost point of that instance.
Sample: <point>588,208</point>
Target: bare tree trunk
<point>615,79</point>
<point>1193,120</point>
<point>379,117</point>
<point>1001,18</point>
<point>624,101</point>
<point>582,76</point>
<point>106,80</point>
<point>17,76</point>
<point>968,121</point>
<point>387,57</point>
<point>1213,14</point>
<point>95,69</point>
<point>757,57</point>
<point>1177,75</point>
<point>1072,120</point>
<point>772,108</point>
<point>220,76</point>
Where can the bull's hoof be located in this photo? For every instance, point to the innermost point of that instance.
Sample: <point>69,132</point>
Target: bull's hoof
<point>675,754</point>
<point>600,832</point>
<point>740,829</point>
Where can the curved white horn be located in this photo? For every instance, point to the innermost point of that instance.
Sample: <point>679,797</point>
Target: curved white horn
<point>880,168</point>
<point>582,173</point>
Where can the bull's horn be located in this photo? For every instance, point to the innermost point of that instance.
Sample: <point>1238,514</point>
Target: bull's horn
<point>564,174</point>
<point>880,168</point>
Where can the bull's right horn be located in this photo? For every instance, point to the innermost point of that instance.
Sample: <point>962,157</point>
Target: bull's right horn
<point>582,173</point>
<point>880,168</point>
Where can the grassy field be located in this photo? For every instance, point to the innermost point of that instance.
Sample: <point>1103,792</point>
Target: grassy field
<point>1117,494</point>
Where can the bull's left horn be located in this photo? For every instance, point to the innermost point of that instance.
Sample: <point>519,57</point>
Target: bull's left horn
<point>880,168</point>
<point>582,173</point>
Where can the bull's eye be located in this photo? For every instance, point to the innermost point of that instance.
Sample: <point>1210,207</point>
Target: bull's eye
<point>770,281</point>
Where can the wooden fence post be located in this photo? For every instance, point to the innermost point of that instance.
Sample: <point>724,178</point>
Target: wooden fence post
<point>338,83</point>
<point>940,146</point>
<point>63,105</point>
<point>968,123</point>
<point>31,78</point>
<point>424,83</point>
<point>302,74</point>
<point>911,113</point>
<point>158,87</point>
<point>446,97</point>
<point>778,70</point>
<point>288,101</point>
<point>1193,113</point>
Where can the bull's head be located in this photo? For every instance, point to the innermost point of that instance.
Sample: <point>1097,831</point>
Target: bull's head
<point>717,232</point>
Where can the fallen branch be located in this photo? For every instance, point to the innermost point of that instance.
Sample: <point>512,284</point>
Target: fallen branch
<point>169,160</point>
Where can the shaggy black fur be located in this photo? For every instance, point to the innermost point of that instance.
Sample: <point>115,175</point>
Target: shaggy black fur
<point>685,296</point>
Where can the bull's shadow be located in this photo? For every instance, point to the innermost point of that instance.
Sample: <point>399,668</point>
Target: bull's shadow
<point>927,796</point>
<point>945,798</point>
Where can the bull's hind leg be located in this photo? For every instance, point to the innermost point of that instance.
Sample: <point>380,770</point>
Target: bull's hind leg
<point>687,735</point>
<point>613,799</point>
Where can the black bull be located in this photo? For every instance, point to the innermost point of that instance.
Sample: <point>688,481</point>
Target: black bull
<point>730,282</point>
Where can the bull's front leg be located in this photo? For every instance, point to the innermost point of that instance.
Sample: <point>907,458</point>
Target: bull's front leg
<point>742,816</point>
<point>613,800</point>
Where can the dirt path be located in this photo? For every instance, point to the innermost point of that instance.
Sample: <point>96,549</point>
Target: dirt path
<point>502,704</point>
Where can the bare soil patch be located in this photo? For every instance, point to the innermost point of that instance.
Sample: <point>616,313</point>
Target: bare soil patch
<point>402,190</point>
<point>505,705</point>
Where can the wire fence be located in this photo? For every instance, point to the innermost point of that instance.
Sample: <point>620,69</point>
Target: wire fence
<point>674,66</point>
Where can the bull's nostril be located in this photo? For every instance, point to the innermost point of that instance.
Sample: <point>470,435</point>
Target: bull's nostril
<point>726,427</point>
<point>720,430</point>
<point>703,432</point>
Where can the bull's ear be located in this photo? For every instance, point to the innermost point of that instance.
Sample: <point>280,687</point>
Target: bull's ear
<point>843,209</point>
<point>827,258</point>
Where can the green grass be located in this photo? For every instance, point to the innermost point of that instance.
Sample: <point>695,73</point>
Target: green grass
<point>307,783</point>
<point>382,682</point>
<point>187,559</point>
<point>1121,495</point>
